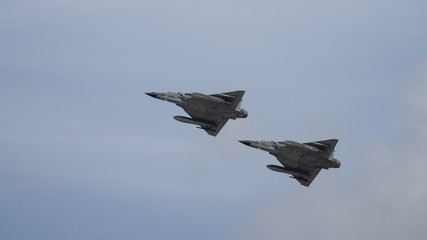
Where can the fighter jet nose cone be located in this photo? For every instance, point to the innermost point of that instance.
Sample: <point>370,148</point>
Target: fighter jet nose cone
<point>247,143</point>
<point>152,94</point>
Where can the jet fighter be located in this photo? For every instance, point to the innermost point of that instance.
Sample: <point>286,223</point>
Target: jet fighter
<point>301,160</point>
<point>209,112</point>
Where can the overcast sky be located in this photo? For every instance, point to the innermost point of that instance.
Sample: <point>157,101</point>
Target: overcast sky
<point>84,154</point>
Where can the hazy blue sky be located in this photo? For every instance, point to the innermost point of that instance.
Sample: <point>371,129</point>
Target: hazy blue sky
<point>84,154</point>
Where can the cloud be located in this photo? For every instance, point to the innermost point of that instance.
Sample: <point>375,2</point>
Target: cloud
<point>417,101</point>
